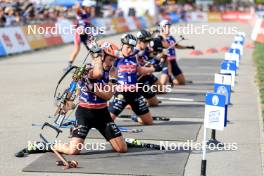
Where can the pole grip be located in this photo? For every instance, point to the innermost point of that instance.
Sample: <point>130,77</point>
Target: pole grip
<point>203,168</point>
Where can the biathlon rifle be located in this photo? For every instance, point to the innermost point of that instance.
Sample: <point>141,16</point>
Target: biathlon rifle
<point>65,100</point>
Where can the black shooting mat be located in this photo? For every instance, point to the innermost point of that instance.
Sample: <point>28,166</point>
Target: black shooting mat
<point>182,96</point>
<point>138,161</point>
<point>160,130</point>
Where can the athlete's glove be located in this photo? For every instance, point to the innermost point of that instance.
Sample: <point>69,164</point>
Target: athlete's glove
<point>86,84</point>
<point>156,65</point>
<point>160,37</point>
<point>154,61</point>
<point>90,87</point>
<point>190,47</point>
<point>38,147</point>
<point>94,47</point>
<point>96,51</point>
<point>141,53</point>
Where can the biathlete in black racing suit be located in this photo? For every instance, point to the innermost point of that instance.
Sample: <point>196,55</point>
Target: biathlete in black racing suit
<point>126,69</point>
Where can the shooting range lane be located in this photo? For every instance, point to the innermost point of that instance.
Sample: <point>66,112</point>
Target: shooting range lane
<point>199,63</point>
<point>198,86</point>
<point>175,110</point>
<point>28,83</point>
<point>159,131</point>
<point>199,71</point>
<point>183,110</point>
<point>200,78</point>
<point>182,96</point>
<point>174,130</point>
<point>138,161</point>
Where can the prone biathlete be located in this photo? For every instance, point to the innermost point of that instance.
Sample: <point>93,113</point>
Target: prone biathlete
<point>92,111</point>
<point>125,72</point>
<point>175,74</point>
<point>144,51</point>
<point>158,52</point>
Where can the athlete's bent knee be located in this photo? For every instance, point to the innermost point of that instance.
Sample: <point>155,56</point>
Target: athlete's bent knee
<point>146,120</point>
<point>113,116</point>
<point>74,151</point>
<point>153,101</point>
<point>121,149</point>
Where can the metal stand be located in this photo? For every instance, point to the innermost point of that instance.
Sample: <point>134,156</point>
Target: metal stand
<point>214,141</point>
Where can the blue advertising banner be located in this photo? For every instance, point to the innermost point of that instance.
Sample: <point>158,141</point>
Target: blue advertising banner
<point>2,50</point>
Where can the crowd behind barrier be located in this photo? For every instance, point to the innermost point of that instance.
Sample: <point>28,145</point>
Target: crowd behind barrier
<point>23,38</point>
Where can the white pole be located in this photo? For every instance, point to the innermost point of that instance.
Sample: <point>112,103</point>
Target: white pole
<point>204,144</point>
<point>203,164</point>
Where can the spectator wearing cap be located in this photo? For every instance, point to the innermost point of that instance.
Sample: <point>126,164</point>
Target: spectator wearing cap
<point>17,16</point>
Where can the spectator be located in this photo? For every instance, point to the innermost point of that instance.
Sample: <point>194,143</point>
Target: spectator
<point>146,13</point>
<point>17,16</point>
<point>119,12</point>
<point>10,18</point>
<point>131,12</point>
<point>31,13</point>
<point>17,12</point>
<point>2,17</point>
